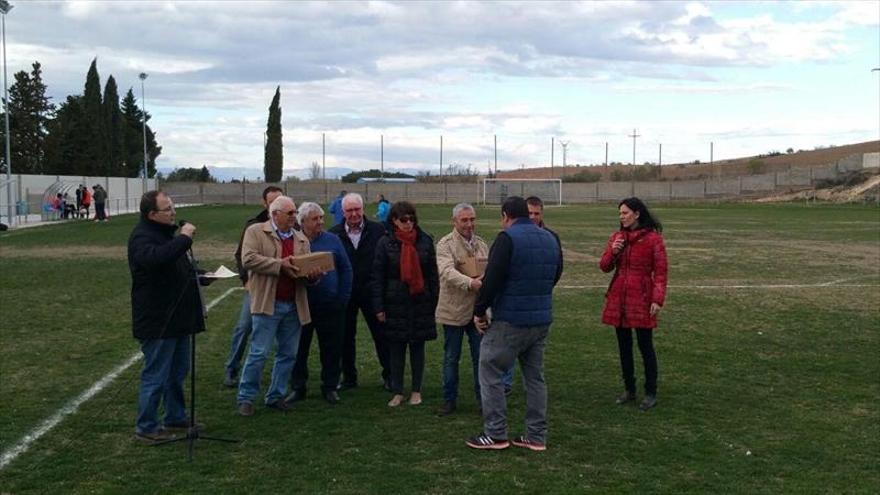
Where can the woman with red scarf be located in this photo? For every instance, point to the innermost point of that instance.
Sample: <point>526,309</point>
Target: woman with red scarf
<point>636,293</point>
<point>405,288</point>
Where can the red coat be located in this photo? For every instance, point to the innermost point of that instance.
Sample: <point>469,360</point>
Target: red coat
<point>640,279</point>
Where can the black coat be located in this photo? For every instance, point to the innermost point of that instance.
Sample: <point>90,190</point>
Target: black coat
<point>362,257</point>
<point>165,300</point>
<point>407,318</point>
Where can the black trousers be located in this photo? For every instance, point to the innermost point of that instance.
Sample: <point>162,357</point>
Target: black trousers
<point>645,337</point>
<point>398,363</point>
<point>349,342</point>
<point>327,322</point>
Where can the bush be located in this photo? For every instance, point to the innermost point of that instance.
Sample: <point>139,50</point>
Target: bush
<point>756,166</point>
<point>584,176</point>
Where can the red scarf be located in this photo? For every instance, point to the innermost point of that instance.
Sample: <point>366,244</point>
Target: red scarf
<point>410,268</point>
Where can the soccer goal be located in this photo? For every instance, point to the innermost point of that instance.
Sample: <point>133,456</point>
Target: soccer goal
<point>495,191</point>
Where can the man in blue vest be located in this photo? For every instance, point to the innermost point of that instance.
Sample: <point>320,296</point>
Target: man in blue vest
<point>524,266</point>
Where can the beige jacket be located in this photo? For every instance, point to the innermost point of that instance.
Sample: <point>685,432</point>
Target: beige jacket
<point>261,256</point>
<point>456,305</point>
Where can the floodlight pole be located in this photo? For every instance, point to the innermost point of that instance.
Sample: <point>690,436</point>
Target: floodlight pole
<point>441,158</point>
<point>564,145</point>
<point>496,154</point>
<point>381,157</point>
<point>552,150</point>
<point>323,157</point>
<point>143,76</point>
<point>5,7</point>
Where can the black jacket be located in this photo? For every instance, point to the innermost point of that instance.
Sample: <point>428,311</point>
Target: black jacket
<point>165,300</point>
<point>261,217</point>
<point>407,318</point>
<point>362,257</point>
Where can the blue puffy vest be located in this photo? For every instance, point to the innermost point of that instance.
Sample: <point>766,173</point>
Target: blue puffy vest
<point>527,297</point>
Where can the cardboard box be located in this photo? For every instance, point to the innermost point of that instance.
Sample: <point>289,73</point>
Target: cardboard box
<point>474,267</point>
<point>320,260</point>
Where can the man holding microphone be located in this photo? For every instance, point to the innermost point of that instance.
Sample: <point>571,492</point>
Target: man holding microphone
<point>166,309</point>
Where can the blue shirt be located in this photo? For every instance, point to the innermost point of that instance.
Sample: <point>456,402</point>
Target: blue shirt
<point>336,210</point>
<point>334,288</point>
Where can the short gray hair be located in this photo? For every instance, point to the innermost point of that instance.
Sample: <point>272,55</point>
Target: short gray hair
<point>461,207</point>
<point>348,198</point>
<point>306,209</point>
<point>279,203</point>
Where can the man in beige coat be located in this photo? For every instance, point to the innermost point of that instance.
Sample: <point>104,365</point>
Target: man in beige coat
<point>461,259</point>
<point>279,303</point>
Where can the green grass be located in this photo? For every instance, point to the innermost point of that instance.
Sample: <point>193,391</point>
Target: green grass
<point>761,390</point>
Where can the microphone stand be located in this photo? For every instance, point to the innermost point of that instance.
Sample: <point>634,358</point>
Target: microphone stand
<point>192,432</point>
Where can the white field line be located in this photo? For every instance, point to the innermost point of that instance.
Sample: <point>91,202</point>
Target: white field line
<point>831,284</point>
<point>72,406</point>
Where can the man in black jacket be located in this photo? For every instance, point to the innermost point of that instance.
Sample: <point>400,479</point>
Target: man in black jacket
<point>359,236</point>
<point>244,326</point>
<point>166,308</point>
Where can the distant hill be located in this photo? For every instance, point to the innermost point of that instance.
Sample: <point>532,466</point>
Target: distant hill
<point>732,167</point>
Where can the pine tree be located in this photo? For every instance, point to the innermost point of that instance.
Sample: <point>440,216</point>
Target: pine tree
<point>93,127</point>
<point>133,140</point>
<point>115,127</point>
<point>29,114</point>
<point>66,145</point>
<point>273,162</point>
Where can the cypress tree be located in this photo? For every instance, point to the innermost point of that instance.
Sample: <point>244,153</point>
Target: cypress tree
<point>114,125</point>
<point>273,161</point>
<point>93,127</point>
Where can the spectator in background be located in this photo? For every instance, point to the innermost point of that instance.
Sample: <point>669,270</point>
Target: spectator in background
<point>405,288</point>
<point>100,198</point>
<point>86,201</point>
<point>243,327</point>
<point>383,208</point>
<point>327,302</point>
<point>79,193</point>
<point>636,293</point>
<point>336,208</point>
<point>359,236</point>
<point>460,255</point>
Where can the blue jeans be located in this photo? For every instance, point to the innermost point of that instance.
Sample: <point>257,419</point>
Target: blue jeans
<point>283,326</point>
<point>166,363</point>
<point>501,346</point>
<point>453,337</point>
<point>240,335</point>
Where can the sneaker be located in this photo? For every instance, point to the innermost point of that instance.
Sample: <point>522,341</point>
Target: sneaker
<point>649,402</point>
<point>395,401</point>
<point>246,409</point>
<point>625,397</point>
<point>446,409</point>
<point>415,399</point>
<point>522,441</point>
<point>230,379</point>
<point>485,442</point>
<point>332,397</point>
<point>159,435</point>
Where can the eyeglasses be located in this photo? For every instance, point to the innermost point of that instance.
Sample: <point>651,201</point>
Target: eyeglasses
<point>288,213</point>
<point>407,219</point>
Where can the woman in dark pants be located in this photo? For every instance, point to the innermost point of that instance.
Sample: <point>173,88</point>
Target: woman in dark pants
<point>405,287</point>
<point>636,293</point>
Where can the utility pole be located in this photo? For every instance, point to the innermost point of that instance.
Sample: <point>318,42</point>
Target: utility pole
<point>441,158</point>
<point>381,157</point>
<point>660,161</point>
<point>552,150</point>
<point>323,157</point>
<point>496,155</point>
<point>634,136</point>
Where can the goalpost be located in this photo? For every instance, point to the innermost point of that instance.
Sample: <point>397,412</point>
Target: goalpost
<point>495,191</point>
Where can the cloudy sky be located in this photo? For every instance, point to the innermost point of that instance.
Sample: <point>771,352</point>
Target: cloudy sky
<point>749,76</point>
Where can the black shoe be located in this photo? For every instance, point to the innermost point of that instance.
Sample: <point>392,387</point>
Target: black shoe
<point>649,402</point>
<point>230,380</point>
<point>332,397</point>
<point>347,385</point>
<point>485,442</point>
<point>447,408</point>
<point>280,405</point>
<point>296,396</point>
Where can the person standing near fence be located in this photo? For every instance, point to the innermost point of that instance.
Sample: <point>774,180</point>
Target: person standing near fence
<point>100,198</point>
<point>86,201</point>
<point>636,293</point>
<point>243,327</point>
<point>336,208</point>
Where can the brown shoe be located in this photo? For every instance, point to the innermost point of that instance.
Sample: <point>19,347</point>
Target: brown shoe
<point>159,435</point>
<point>246,409</point>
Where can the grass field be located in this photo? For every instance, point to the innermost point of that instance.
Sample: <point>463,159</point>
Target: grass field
<point>769,371</point>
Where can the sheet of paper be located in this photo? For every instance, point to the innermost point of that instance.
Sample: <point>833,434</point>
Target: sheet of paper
<point>221,272</point>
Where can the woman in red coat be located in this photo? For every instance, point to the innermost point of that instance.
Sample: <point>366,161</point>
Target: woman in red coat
<point>636,293</point>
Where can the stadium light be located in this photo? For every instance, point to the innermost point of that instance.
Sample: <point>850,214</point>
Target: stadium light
<point>5,7</point>
<point>143,76</point>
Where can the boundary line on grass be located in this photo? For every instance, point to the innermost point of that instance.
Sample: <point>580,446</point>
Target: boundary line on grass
<point>72,406</point>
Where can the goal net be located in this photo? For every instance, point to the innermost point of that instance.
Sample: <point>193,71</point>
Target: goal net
<point>495,191</point>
